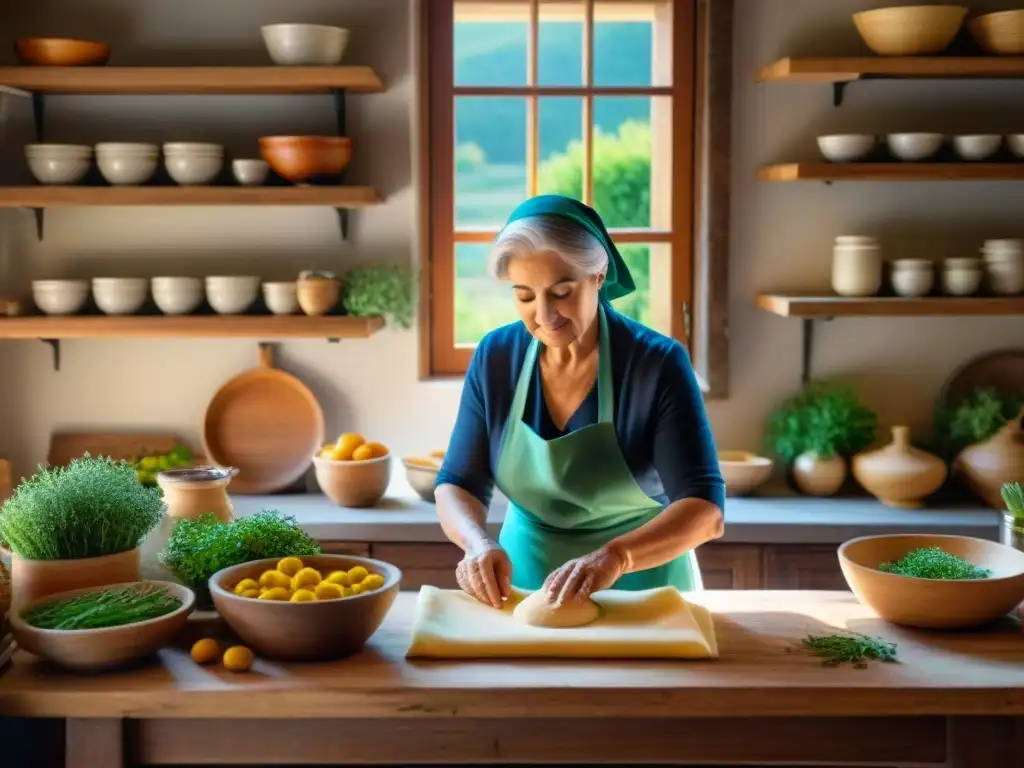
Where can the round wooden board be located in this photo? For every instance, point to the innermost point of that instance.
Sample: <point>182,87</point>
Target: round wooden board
<point>1002,370</point>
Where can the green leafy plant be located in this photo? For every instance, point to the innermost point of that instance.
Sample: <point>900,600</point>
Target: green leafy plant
<point>112,607</point>
<point>825,419</point>
<point>1013,495</point>
<point>934,563</point>
<point>197,549</point>
<point>380,290</point>
<point>89,508</point>
<point>851,648</point>
<point>972,418</point>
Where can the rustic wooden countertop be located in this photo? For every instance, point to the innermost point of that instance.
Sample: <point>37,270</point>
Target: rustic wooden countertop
<point>757,675</point>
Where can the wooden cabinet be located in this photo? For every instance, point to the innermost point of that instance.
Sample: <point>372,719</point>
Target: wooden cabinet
<point>800,566</point>
<point>730,566</point>
<point>354,548</point>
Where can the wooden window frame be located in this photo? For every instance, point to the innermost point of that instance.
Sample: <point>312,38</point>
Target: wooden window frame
<point>698,236</point>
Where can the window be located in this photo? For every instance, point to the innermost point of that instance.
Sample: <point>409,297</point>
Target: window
<point>590,98</point>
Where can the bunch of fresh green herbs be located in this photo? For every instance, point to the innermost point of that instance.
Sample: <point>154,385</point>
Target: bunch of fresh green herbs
<point>1013,495</point>
<point>934,563</point>
<point>197,549</point>
<point>972,418</point>
<point>89,508</point>
<point>112,607</point>
<point>825,419</point>
<point>850,648</point>
<point>383,290</point>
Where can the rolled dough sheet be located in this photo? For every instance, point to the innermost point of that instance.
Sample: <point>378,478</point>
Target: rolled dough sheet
<point>654,624</point>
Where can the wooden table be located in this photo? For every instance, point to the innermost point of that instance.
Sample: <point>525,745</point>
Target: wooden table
<point>954,699</point>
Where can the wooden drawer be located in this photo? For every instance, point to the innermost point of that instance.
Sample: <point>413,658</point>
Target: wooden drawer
<point>354,548</point>
<point>730,566</point>
<point>431,564</point>
<point>802,567</point>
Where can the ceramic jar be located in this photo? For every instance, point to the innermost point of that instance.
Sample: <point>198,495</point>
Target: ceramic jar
<point>985,467</point>
<point>1004,266</point>
<point>913,278</point>
<point>856,266</point>
<point>318,292</point>
<point>900,475</point>
<point>816,476</point>
<point>961,277</point>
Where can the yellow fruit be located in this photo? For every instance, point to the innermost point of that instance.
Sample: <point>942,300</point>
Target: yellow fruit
<point>275,579</point>
<point>289,566</point>
<point>244,585</point>
<point>358,589</point>
<point>237,658</point>
<point>276,593</point>
<point>340,578</point>
<point>302,596</point>
<point>252,592</point>
<point>372,582</point>
<point>346,592</point>
<point>370,451</point>
<point>307,577</point>
<point>206,650</point>
<point>325,590</point>
<point>357,574</point>
<point>346,445</point>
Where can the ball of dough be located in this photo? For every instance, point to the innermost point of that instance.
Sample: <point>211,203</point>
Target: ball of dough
<point>536,611</point>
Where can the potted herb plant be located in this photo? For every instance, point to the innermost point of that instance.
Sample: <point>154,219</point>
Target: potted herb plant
<point>1013,519</point>
<point>80,525</point>
<point>816,431</point>
<point>972,418</point>
<point>380,290</point>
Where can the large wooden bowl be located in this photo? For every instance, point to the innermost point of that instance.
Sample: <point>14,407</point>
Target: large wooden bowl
<point>1001,34</point>
<point>353,483</point>
<point>93,649</point>
<point>911,30</point>
<point>305,159</point>
<point>934,603</point>
<point>61,52</point>
<point>316,631</point>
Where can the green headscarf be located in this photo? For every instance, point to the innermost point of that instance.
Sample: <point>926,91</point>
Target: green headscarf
<point>618,282</point>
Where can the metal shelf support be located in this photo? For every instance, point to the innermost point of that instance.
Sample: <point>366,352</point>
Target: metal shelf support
<point>807,329</point>
<point>39,114</point>
<point>338,95</point>
<point>55,347</point>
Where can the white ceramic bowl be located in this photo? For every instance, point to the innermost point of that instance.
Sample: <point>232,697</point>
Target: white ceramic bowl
<point>1015,141</point>
<point>193,170</point>
<point>305,44</point>
<point>743,472</point>
<point>914,146</point>
<point>231,294</point>
<point>977,147</point>
<point>913,283</point>
<point>193,148</point>
<point>177,295</point>
<point>120,295</point>
<point>281,298</point>
<point>846,148</point>
<point>63,164</point>
<point>60,297</point>
<point>961,282</point>
<point>250,173</point>
<point>127,164</point>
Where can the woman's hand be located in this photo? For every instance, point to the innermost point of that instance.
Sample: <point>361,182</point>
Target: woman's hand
<point>486,574</point>
<point>578,579</point>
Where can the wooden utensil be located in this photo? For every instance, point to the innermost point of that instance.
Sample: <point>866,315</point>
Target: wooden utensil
<point>267,424</point>
<point>65,446</point>
<point>1002,370</point>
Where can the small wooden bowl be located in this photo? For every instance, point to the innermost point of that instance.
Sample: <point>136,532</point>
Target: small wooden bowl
<point>61,52</point>
<point>93,649</point>
<point>304,159</point>
<point>317,294</point>
<point>744,472</point>
<point>1001,34</point>
<point>315,631</point>
<point>911,30</point>
<point>353,483</point>
<point>934,603</point>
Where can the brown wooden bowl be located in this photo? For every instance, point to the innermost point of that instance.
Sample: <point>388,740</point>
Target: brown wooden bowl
<point>61,52</point>
<point>315,631</point>
<point>353,483</point>
<point>934,603</point>
<point>304,159</point>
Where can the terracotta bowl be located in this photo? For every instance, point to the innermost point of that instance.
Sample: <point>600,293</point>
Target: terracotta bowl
<point>353,483</point>
<point>744,472</point>
<point>32,580</point>
<point>317,294</point>
<point>422,475</point>
<point>61,52</point>
<point>934,603</point>
<point>316,631</point>
<point>91,649</point>
<point>304,159</point>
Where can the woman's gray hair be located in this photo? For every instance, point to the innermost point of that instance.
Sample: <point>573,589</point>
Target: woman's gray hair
<point>546,232</point>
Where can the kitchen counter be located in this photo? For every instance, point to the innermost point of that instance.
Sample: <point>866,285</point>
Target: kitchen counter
<point>953,698</point>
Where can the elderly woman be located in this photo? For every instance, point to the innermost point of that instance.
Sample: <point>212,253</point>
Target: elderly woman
<point>591,424</point>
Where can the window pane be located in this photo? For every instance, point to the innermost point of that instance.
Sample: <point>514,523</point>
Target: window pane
<point>491,43</point>
<point>560,48</point>
<point>561,146</point>
<point>632,43</point>
<point>650,266</point>
<point>490,159</point>
<point>482,303</point>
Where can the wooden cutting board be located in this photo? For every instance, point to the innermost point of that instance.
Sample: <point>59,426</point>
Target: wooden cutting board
<point>65,446</point>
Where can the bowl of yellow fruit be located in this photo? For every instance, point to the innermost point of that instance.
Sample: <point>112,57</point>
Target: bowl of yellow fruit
<point>311,608</point>
<point>353,472</point>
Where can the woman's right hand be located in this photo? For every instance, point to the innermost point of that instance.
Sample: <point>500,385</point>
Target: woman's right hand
<point>485,572</point>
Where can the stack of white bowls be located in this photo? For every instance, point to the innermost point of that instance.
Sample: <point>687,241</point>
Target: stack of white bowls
<point>193,164</point>
<point>58,163</point>
<point>120,295</point>
<point>961,277</point>
<point>856,265</point>
<point>60,297</point>
<point>177,295</point>
<point>1004,266</point>
<point>124,164</point>
<point>913,278</point>
<point>232,294</point>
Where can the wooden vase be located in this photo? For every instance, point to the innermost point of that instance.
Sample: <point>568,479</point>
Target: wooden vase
<point>33,579</point>
<point>900,475</point>
<point>985,467</point>
<point>816,476</point>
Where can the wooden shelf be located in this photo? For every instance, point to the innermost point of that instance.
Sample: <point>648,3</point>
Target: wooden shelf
<point>845,70</point>
<point>190,327</point>
<point>56,197</point>
<point>190,80</point>
<point>810,307</point>
<point>895,171</point>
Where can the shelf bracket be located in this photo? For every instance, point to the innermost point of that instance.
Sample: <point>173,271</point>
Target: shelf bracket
<point>333,341</point>
<point>340,111</point>
<point>838,93</point>
<point>807,328</point>
<point>55,346</point>
<point>342,221</point>
<point>40,217</point>
<point>39,113</point>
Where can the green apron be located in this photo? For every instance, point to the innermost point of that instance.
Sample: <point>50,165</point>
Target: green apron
<point>572,495</point>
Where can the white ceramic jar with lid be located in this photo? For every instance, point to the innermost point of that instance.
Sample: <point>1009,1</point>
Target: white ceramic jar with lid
<point>1004,266</point>
<point>913,278</point>
<point>856,266</point>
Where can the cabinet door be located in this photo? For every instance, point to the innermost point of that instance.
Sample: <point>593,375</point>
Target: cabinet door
<point>432,564</point>
<point>354,548</point>
<point>803,567</point>
<point>730,566</point>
